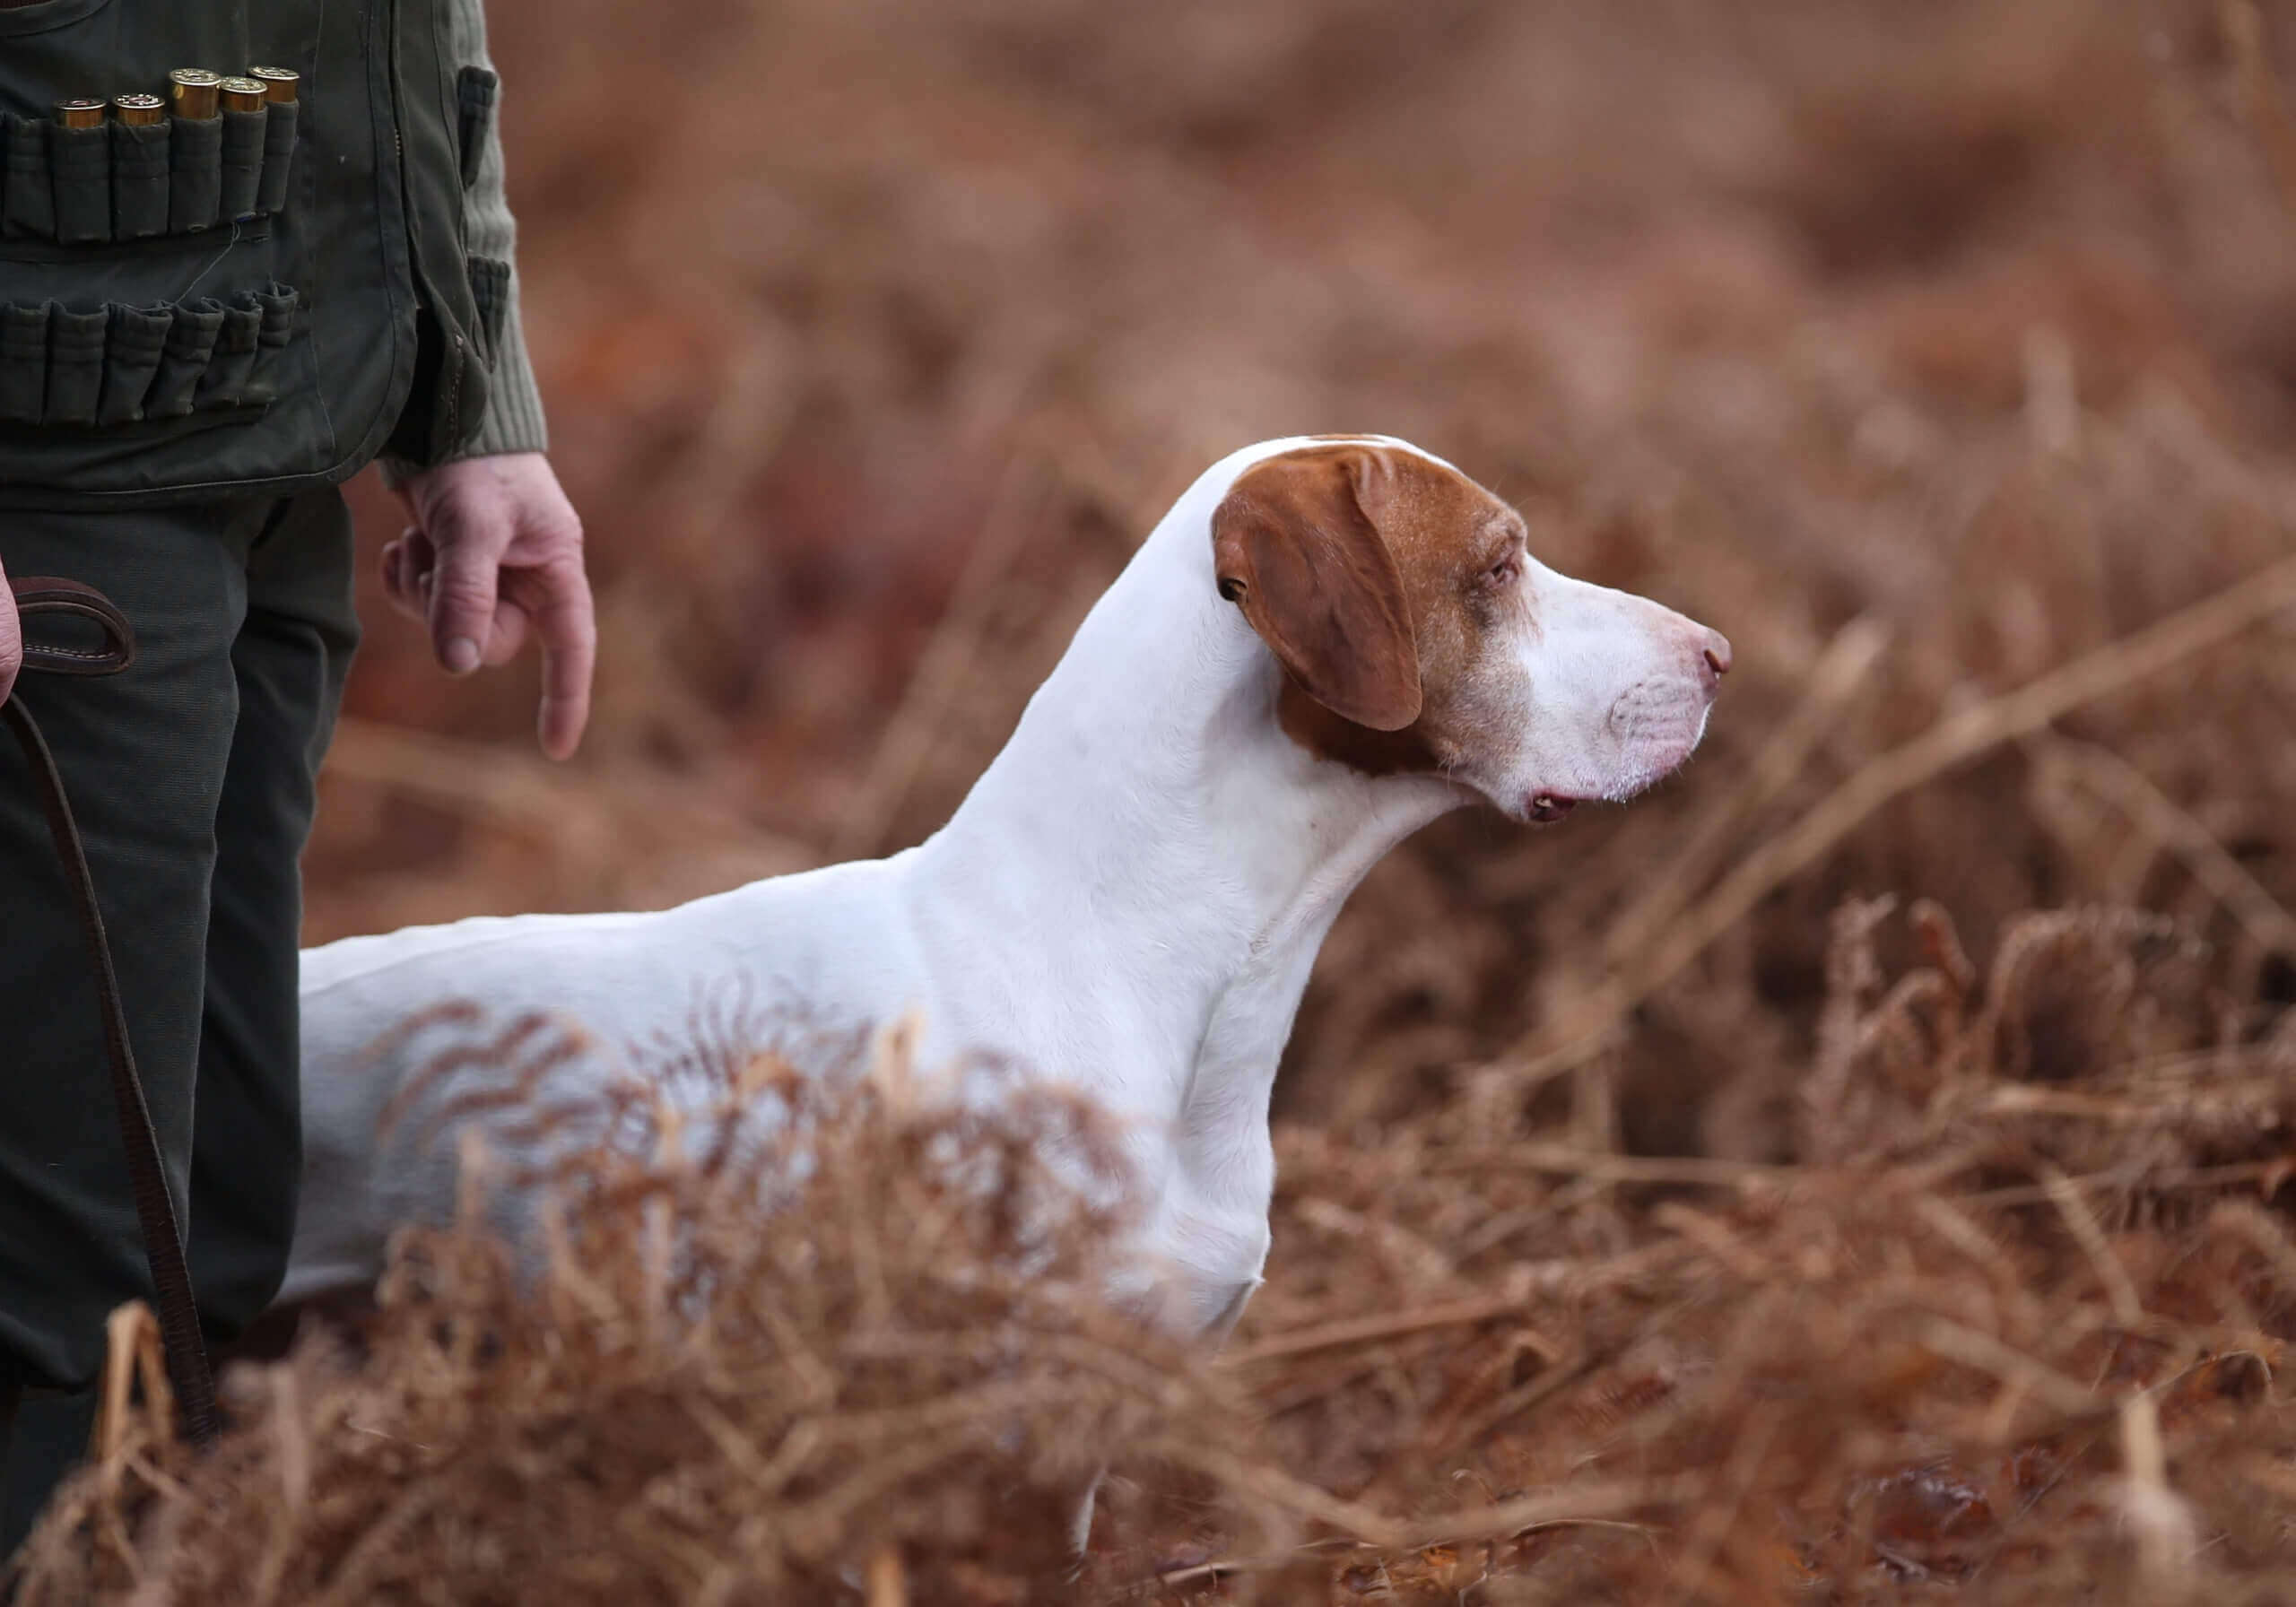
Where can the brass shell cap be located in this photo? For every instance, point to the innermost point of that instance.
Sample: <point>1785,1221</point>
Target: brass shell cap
<point>82,111</point>
<point>139,111</point>
<point>281,82</point>
<point>191,92</point>
<point>242,95</point>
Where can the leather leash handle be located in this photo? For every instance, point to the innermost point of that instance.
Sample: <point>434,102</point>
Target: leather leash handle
<point>47,594</point>
<point>155,1211</point>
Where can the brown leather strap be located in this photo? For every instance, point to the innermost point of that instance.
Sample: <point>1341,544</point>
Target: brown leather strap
<point>155,1211</point>
<point>47,594</point>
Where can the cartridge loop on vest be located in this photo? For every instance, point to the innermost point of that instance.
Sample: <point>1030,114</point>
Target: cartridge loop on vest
<point>79,162</point>
<point>279,118</point>
<point>63,367</point>
<point>195,173</point>
<point>139,168</point>
<point>132,349</point>
<point>76,365</point>
<point>243,141</point>
<point>23,363</point>
<point>129,169</point>
<point>27,193</point>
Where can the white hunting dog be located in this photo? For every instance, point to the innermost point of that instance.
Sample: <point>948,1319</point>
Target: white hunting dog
<point>1326,643</point>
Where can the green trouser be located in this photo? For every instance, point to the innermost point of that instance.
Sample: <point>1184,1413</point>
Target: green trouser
<point>192,774</point>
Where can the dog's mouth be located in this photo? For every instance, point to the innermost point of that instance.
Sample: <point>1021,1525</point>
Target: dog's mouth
<point>1546,807</point>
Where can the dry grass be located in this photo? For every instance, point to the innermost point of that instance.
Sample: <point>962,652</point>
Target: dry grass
<point>2013,1326</point>
<point>756,1353</point>
<point>1662,1217</point>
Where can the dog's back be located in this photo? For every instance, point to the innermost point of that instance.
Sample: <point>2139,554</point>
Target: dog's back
<point>397,1025</point>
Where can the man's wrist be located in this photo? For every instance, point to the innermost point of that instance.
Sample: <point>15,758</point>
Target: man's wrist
<point>398,472</point>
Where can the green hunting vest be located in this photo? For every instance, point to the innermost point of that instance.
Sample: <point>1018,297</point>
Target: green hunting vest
<point>246,304</point>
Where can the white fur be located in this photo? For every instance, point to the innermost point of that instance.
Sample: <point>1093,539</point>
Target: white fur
<point>1129,900</point>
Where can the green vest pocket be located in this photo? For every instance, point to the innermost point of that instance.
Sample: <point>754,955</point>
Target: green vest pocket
<point>476,89</point>
<point>489,291</point>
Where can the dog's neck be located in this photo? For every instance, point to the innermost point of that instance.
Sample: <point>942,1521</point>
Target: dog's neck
<point>1157,858</point>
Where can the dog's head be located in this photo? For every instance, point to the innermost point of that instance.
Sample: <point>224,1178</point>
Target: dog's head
<point>1420,635</point>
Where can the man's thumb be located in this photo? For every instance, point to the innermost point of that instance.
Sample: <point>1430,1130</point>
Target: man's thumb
<point>12,640</point>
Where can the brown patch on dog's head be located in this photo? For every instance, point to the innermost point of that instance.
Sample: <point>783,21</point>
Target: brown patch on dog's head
<point>1360,566</point>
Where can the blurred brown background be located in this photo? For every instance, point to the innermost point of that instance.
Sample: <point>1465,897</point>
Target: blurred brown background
<point>1931,351</point>
<point>874,337</point>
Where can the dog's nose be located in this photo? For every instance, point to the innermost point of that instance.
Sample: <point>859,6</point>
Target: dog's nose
<point>1717,652</point>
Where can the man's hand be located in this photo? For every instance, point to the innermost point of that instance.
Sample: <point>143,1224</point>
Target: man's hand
<point>495,555</point>
<point>12,639</point>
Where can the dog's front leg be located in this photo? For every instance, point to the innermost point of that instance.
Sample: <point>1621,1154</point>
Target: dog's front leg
<point>1211,1336</point>
<point>1080,1520</point>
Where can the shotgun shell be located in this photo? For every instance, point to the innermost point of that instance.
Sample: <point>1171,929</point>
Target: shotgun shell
<point>280,82</point>
<point>242,95</point>
<point>139,111</point>
<point>80,112</point>
<point>191,93</point>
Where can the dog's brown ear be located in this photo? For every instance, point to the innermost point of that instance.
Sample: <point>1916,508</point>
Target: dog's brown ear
<point>1292,543</point>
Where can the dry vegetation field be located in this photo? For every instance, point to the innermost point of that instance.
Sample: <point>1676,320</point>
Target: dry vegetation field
<point>1857,1172</point>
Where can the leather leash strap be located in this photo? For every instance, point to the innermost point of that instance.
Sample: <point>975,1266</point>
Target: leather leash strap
<point>155,1211</point>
